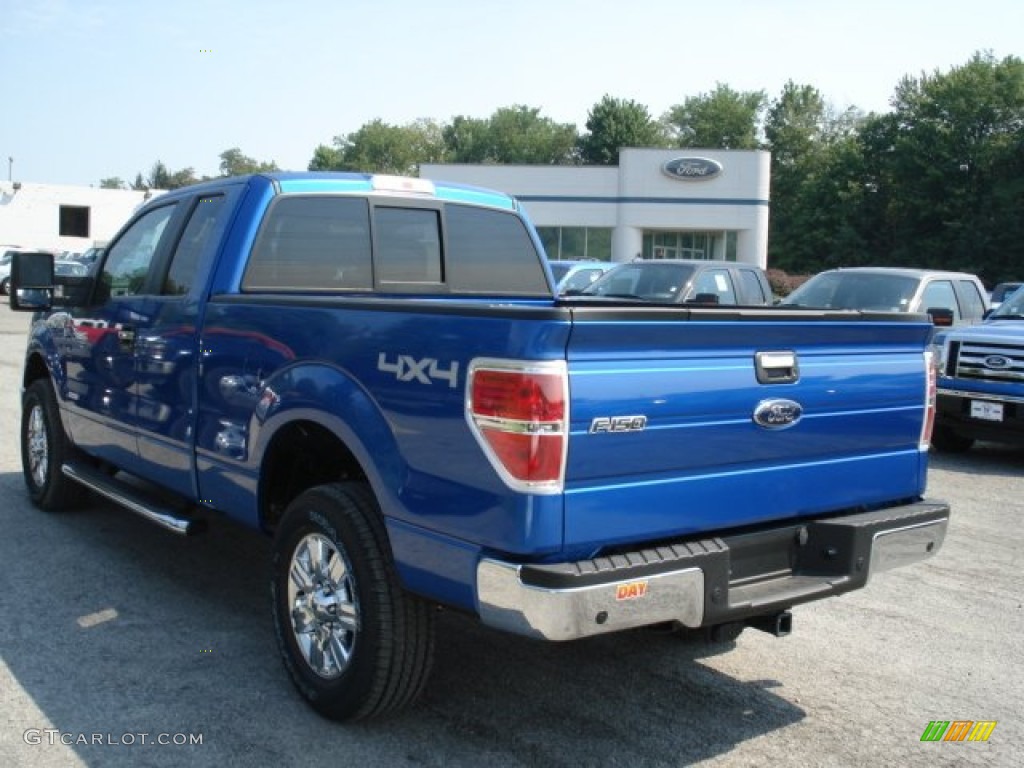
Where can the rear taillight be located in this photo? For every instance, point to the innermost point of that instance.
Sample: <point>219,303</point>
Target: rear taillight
<point>519,412</point>
<point>930,366</point>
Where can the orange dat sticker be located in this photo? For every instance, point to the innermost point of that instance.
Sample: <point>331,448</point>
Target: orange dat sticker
<point>631,591</point>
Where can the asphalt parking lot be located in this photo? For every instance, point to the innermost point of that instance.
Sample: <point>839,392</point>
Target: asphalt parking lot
<point>123,645</point>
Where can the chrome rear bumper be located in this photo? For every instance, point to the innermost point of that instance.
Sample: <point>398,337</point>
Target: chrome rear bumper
<point>707,582</point>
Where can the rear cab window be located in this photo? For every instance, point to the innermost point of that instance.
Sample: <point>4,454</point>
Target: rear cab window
<point>338,243</point>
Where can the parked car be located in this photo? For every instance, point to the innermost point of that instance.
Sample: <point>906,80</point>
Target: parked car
<point>575,276</point>
<point>5,271</point>
<point>69,268</point>
<point>1001,292</point>
<point>895,289</point>
<point>682,281</point>
<point>89,256</point>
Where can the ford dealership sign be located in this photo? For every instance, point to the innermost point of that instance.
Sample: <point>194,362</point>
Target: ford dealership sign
<point>692,168</point>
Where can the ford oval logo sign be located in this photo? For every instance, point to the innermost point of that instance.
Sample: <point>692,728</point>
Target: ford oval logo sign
<point>777,414</point>
<point>692,168</point>
<point>998,362</point>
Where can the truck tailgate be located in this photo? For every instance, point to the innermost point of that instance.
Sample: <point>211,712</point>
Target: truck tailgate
<point>675,430</point>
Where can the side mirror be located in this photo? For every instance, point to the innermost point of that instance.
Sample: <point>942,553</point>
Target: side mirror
<point>941,317</point>
<point>31,281</point>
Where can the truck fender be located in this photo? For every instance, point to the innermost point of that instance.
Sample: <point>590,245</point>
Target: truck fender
<point>331,397</point>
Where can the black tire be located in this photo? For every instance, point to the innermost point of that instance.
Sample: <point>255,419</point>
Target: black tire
<point>946,440</point>
<point>5,286</point>
<point>44,448</point>
<point>381,638</point>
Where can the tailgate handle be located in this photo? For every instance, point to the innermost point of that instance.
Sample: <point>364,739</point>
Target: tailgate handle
<point>777,367</point>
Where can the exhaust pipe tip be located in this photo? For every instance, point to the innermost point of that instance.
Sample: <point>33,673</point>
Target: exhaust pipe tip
<point>779,624</point>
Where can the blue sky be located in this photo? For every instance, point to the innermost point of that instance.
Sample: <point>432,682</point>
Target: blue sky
<point>98,88</point>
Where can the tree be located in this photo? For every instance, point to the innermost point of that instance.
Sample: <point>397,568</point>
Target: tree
<point>327,158</point>
<point>954,168</point>
<point>234,163</point>
<point>379,147</point>
<point>467,140</point>
<point>112,182</point>
<point>616,123</point>
<point>161,178</point>
<point>140,183</point>
<point>513,135</point>
<point>722,119</point>
<point>520,136</point>
<point>816,171</point>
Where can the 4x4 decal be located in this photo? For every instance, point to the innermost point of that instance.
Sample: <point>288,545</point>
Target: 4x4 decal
<point>425,370</point>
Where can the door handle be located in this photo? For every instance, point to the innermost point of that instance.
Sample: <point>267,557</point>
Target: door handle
<point>126,335</point>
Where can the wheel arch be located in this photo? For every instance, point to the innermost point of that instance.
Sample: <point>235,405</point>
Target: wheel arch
<point>301,442</point>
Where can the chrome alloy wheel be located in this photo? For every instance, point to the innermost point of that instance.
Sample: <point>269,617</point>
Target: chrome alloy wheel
<point>324,611</point>
<point>38,446</point>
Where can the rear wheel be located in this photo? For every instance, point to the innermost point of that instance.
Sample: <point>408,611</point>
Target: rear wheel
<point>44,449</point>
<point>948,441</point>
<point>354,642</point>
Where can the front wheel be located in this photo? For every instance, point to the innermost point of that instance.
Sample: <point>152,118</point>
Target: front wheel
<point>354,642</point>
<point>5,286</point>
<point>946,440</point>
<point>44,449</point>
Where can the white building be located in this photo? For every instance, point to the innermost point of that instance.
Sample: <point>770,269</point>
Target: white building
<point>63,218</point>
<point>657,203</point>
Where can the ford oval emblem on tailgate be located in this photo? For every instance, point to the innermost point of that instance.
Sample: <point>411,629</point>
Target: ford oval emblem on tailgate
<point>777,414</point>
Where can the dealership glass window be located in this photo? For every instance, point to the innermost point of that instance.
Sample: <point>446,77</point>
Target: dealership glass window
<point>577,242</point>
<point>690,245</point>
<point>679,245</point>
<point>74,221</point>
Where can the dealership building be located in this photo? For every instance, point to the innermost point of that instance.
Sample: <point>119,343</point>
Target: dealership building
<point>656,204</point>
<point>61,217</point>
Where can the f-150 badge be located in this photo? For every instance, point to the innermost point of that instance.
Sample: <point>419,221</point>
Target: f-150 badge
<point>619,424</point>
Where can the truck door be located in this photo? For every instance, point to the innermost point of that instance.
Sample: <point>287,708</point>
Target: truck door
<point>167,341</point>
<point>99,350</point>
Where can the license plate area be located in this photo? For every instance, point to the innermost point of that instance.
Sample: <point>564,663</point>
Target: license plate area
<point>986,411</point>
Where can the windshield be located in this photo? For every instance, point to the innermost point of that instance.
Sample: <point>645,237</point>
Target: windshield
<point>855,290</point>
<point>643,280</point>
<point>559,270</point>
<point>1003,290</point>
<point>1012,306</point>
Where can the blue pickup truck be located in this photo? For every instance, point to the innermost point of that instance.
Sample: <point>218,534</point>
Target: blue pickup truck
<point>981,380</point>
<point>376,372</point>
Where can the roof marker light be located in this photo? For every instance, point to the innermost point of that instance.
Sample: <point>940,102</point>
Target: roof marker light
<point>406,184</point>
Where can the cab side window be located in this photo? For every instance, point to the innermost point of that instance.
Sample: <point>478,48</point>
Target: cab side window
<point>752,287</point>
<point>939,294</point>
<point>312,244</point>
<point>716,281</point>
<point>127,264</point>
<point>974,304</point>
<point>201,233</point>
